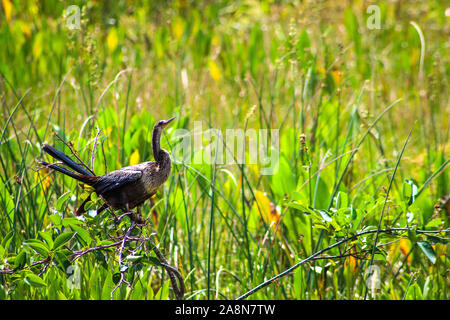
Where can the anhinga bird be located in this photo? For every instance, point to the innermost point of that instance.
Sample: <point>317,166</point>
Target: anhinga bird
<point>128,187</point>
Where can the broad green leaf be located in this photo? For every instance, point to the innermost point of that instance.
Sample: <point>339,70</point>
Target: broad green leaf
<point>47,236</point>
<point>7,240</point>
<point>108,286</point>
<point>434,223</point>
<point>341,200</point>
<point>38,246</point>
<point>67,222</point>
<point>138,292</point>
<point>299,207</point>
<point>82,233</point>
<point>163,292</point>
<point>61,258</point>
<point>62,200</point>
<point>325,216</point>
<point>428,250</point>
<point>6,204</point>
<point>62,239</point>
<point>34,280</point>
<point>55,219</point>
<point>20,260</point>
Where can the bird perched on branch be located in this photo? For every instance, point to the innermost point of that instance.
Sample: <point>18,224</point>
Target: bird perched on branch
<point>125,188</point>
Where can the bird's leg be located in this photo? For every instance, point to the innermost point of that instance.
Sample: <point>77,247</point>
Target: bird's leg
<point>138,217</point>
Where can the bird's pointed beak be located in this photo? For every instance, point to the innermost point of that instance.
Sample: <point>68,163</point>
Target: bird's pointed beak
<point>166,122</point>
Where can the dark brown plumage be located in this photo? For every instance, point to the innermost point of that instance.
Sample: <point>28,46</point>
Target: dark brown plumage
<point>128,187</point>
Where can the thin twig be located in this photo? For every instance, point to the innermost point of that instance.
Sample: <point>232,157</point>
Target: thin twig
<point>122,271</point>
<point>81,253</point>
<point>179,290</point>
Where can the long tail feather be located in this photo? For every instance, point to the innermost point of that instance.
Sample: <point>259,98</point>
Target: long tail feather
<point>65,159</point>
<point>83,178</point>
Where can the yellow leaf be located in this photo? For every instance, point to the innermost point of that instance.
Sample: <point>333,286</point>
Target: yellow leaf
<point>351,261</point>
<point>26,29</point>
<point>263,205</point>
<point>7,8</point>
<point>214,70</point>
<point>112,40</point>
<point>177,28</point>
<point>43,176</point>
<point>134,158</point>
<point>267,209</point>
<point>405,248</point>
<point>37,45</point>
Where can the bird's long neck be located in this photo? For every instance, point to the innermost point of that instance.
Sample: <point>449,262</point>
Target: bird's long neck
<point>157,152</point>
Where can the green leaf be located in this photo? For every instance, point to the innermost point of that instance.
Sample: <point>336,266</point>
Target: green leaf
<point>67,222</point>
<point>133,258</point>
<point>55,219</point>
<point>6,204</point>
<point>299,207</point>
<point>325,216</point>
<point>163,292</point>
<point>435,239</point>
<point>20,260</point>
<point>138,292</point>
<point>34,281</point>
<point>62,239</point>
<point>7,240</point>
<point>410,191</point>
<point>62,260</point>
<point>433,223</point>
<point>341,200</point>
<point>154,261</point>
<point>47,236</point>
<point>38,246</point>
<point>108,285</point>
<point>62,200</point>
<point>82,233</point>
<point>428,250</point>
<point>116,277</point>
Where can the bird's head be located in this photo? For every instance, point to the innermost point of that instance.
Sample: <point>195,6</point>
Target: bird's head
<point>161,124</point>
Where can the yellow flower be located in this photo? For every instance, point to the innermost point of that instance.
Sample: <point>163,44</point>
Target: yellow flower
<point>43,176</point>
<point>7,8</point>
<point>338,76</point>
<point>112,40</point>
<point>214,71</point>
<point>135,158</point>
<point>267,210</point>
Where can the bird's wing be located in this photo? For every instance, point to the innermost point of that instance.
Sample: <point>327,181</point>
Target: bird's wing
<point>116,179</point>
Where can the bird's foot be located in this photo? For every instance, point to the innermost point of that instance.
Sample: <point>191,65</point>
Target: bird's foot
<point>138,219</point>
